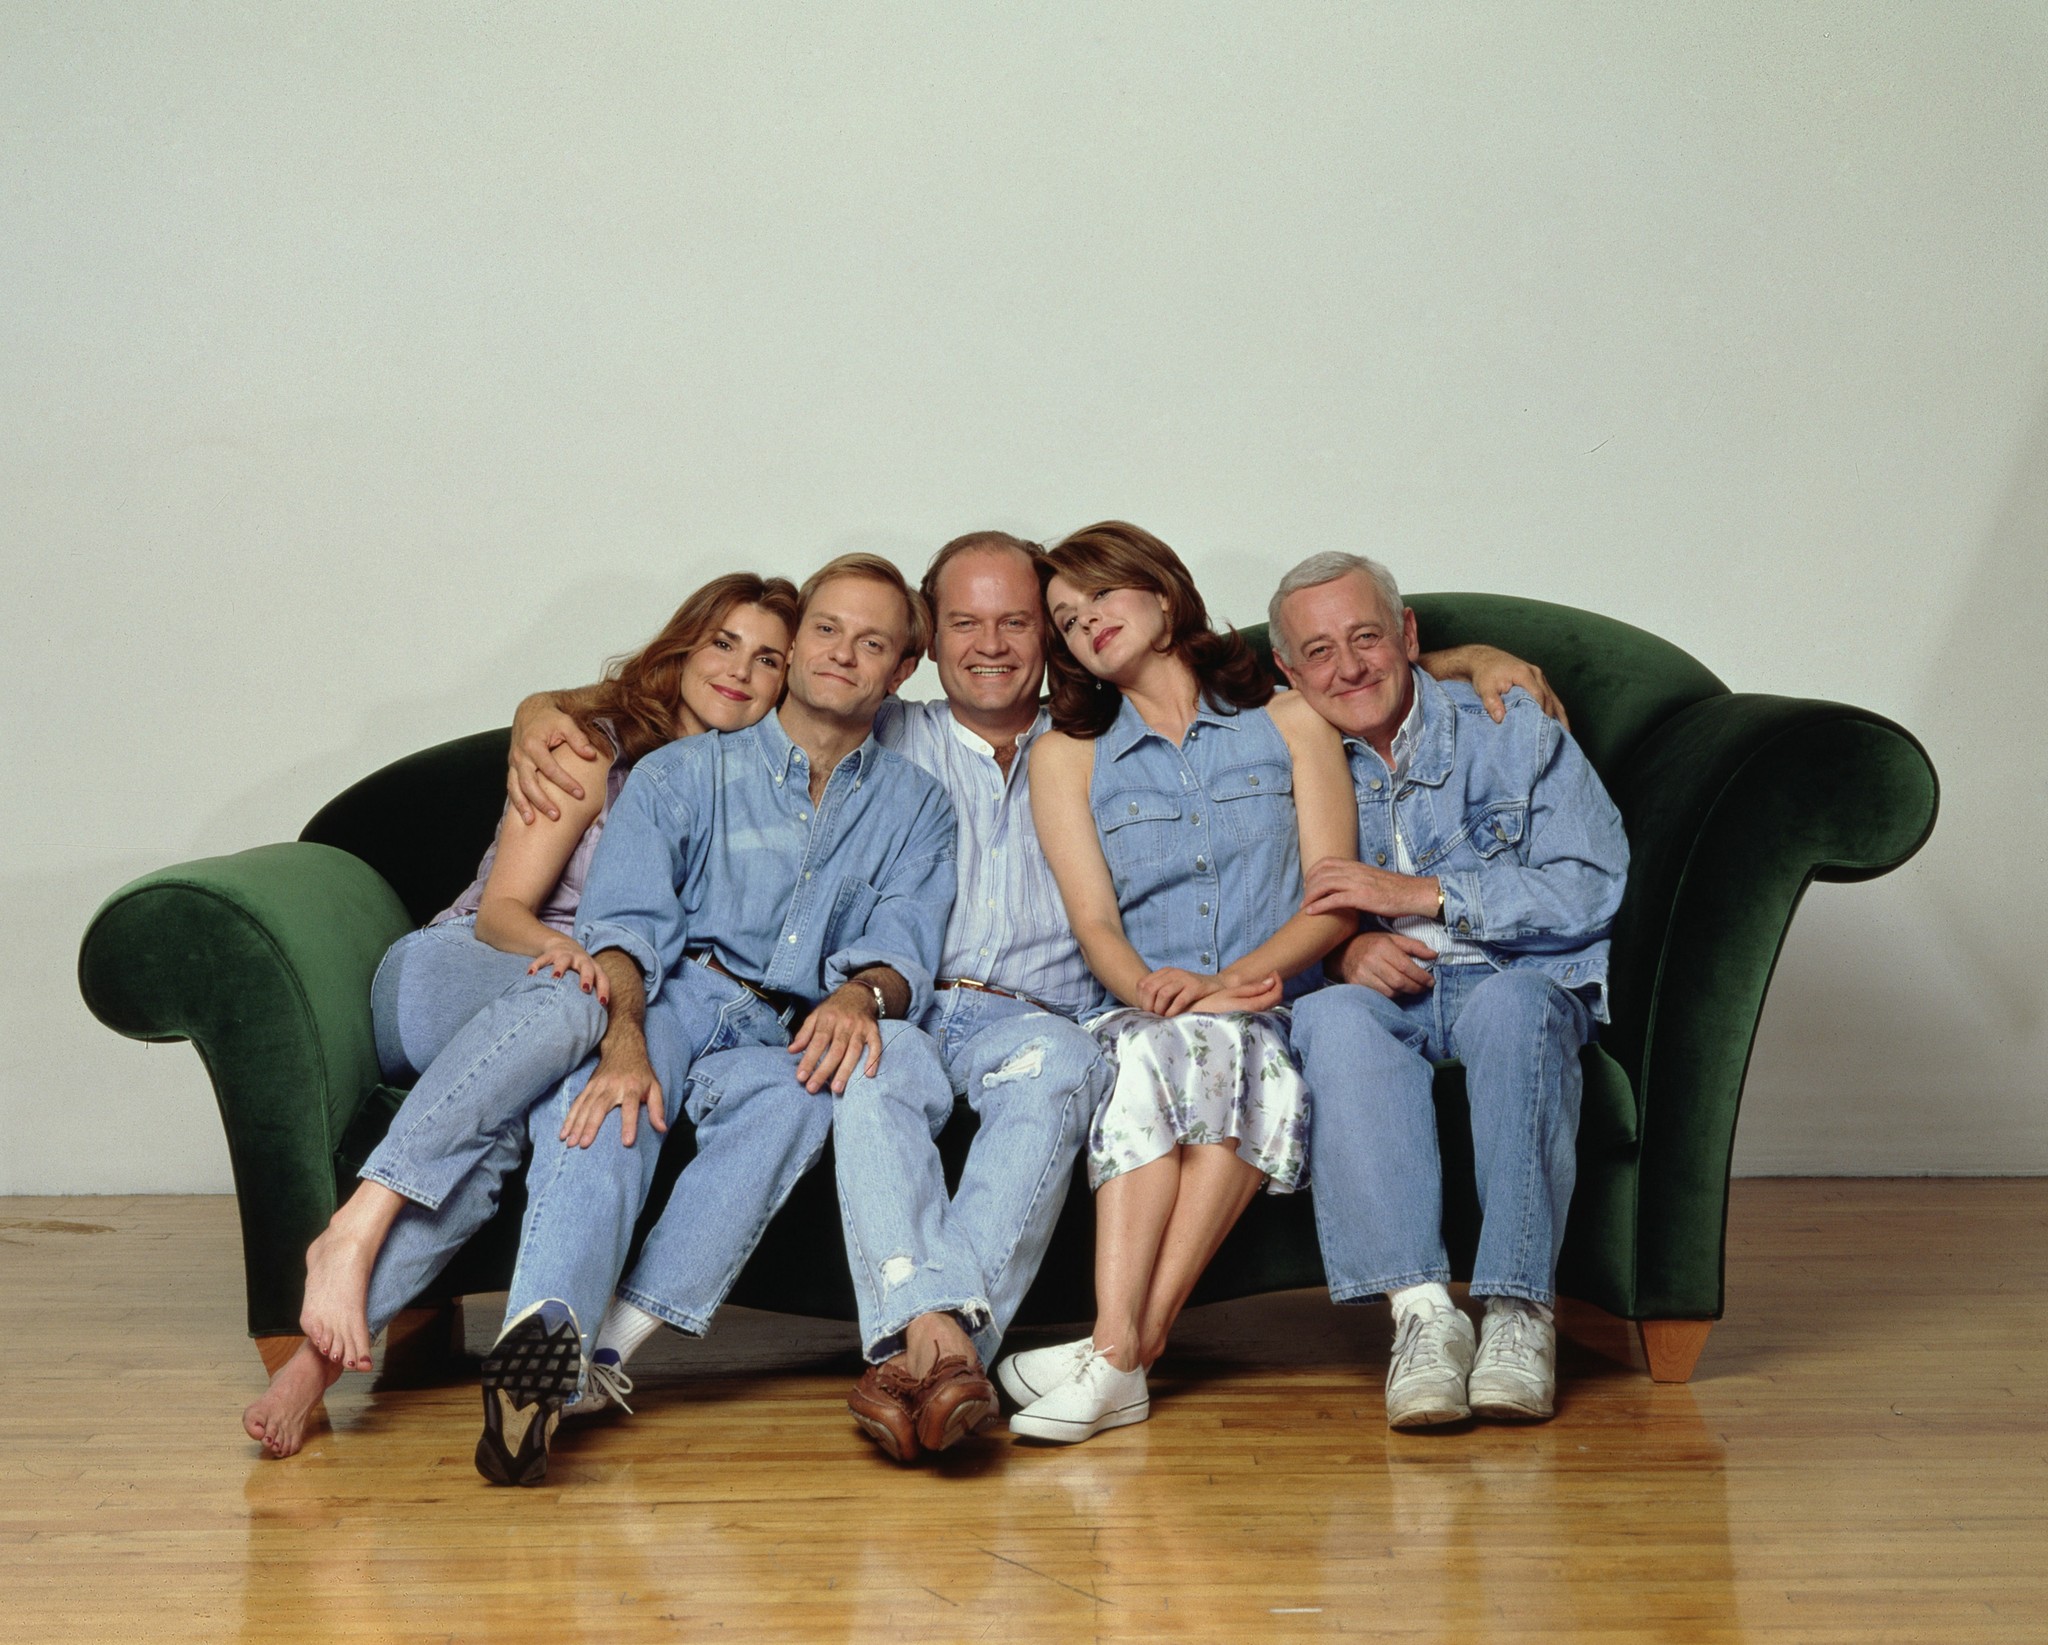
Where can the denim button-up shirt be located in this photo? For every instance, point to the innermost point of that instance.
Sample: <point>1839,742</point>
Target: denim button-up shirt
<point>1009,928</point>
<point>1514,823</point>
<point>714,844</point>
<point>1201,839</point>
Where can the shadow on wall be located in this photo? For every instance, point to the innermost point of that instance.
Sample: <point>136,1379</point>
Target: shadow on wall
<point>1991,892</point>
<point>1906,1015</point>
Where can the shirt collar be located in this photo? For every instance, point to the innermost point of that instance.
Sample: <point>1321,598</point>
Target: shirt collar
<point>1130,728</point>
<point>981,745</point>
<point>779,753</point>
<point>1426,741</point>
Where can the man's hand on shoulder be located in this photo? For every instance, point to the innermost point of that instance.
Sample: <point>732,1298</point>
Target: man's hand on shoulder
<point>539,727</point>
<point>1493,673</point>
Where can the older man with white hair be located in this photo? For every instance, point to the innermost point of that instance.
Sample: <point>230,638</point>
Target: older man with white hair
<point>1493,862</point>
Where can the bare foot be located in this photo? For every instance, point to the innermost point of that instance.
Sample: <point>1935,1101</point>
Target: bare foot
<point>278,1419</point>
<point>334,1317</point>
<point>338,1266</point>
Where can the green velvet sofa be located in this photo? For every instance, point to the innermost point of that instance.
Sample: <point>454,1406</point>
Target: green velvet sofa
<point>1733,804</point>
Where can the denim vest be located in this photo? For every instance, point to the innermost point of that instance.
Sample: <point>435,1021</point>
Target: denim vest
<point>1515,824</point>
<point>1201,840</point>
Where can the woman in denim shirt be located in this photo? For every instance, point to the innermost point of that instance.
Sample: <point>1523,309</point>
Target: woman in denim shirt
<point>717,665</point>
<point>1176,813</point>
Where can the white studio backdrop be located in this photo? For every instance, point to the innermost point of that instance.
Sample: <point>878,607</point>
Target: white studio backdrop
<point>365,367</point>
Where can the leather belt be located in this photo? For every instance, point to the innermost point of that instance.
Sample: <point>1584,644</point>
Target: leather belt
<point>976,987</point>
<point>787,1007</point>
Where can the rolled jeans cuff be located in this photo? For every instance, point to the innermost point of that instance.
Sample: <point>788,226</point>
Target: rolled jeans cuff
<point>688,1324</point>
<point>384,1179</point>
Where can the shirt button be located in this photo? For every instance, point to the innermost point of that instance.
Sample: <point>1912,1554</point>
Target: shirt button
<point>778,782</point>
<point>1254,781</point>
<point>803,816</point>
<point>792,938</point>
<point>1202,865</point>
<point>1374,785</point>
<point>1196,819</point>
<point>1381,859</point>
<point>984,953</point>
<point>1205,959</point>
<point>1134,808</point>
<point>1464,925</point>
<point>1203,909</point>
<point>807,873</point>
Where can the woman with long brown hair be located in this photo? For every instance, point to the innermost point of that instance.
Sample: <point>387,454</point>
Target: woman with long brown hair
<point>442,1001</point>
<point>1176,811</point>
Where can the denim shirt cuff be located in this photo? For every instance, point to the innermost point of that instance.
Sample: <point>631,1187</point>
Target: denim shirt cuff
<point>1463,915</point>
<point>849,961</point>
<point>601,934</point>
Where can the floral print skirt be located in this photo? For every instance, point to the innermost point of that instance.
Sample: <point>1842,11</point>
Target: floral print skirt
<point>1200,1078</point>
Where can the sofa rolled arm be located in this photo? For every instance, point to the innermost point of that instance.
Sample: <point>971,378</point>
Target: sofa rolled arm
<point>1733,807</point>
<point>263,961</point>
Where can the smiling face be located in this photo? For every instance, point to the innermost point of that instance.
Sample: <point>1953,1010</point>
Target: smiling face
<point>848,653</point>
<point>989,636</point>
<point>1348,656</point>
<point>1112,632</point>
<point>735,675</point>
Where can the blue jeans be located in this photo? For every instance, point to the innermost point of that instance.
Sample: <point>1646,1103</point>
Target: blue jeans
<point>693,1009</point>
<point>582,1203</point>
<point>488,1041</point>
<point>1378,1181</point>
<point>1034,1079</point>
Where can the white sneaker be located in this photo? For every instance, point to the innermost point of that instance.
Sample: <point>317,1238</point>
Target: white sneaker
<point>1095,1397</point>
<point>1036,1372</point>
<point>1426,1377</point>
<point>605,1384</point>
<point>1514,1377</point>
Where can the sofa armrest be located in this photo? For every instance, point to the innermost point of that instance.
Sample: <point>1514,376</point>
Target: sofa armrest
<point>1732,806</point>
<point>263,960</point>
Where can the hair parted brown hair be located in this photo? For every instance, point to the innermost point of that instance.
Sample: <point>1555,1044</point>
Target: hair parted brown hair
<point>877,570</point>
<point>1034,554</point>
<point>1117,554</point>
<point>639,694</point>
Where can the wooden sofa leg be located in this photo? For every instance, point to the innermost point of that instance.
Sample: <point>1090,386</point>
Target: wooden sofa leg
<point>423,1346</point>
<point>275,1351</point>
<point>1672,1346</point>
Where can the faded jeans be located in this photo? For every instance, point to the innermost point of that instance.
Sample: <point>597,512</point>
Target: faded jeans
<point>481,1041</point>
<point>572,1243</point>
<point>1373,1149</point>
<point>1034,1079</point>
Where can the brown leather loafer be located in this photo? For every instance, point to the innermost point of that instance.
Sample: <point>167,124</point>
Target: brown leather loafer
<point>954,1399</point>
<point>884,1403</point>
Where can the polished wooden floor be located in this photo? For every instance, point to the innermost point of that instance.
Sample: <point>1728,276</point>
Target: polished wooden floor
<point>1862,1455</point>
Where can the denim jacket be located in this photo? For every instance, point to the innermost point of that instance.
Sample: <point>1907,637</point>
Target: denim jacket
<point>1201,839</point>
<point>1514,823</point>
<point>714,844</point>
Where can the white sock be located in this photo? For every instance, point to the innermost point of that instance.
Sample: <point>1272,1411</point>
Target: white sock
<point>624,1329</point>
<point>1520,1305</point>
<point>1427,1298</point>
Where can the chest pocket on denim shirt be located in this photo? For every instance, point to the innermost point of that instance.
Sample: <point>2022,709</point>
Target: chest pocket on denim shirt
<point>1138,828</point>
<point>851,905</point>
<point>1492,833</point>
<point>1256,800</point>
<point>1498,831</point>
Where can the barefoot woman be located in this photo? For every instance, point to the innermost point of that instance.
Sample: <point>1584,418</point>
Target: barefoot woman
<point>1176,813</point>
<point>443,998</point>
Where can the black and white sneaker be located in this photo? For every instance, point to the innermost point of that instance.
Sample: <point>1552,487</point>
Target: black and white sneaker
<point>532,1370</point>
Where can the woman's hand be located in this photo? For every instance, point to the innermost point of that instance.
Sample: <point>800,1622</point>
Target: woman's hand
<point>538,729</point>
<point>567,954</point>
<point>1169,991</point>
<point>624,1080</point>
<point>1258,994</point>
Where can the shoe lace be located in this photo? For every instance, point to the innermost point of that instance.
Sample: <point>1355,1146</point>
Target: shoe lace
<point>1407,1342</point>
<point>1511,1341</point>
<point>612,1383</point>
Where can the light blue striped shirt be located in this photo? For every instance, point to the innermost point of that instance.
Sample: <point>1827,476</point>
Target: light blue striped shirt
<point>1009,928</point>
